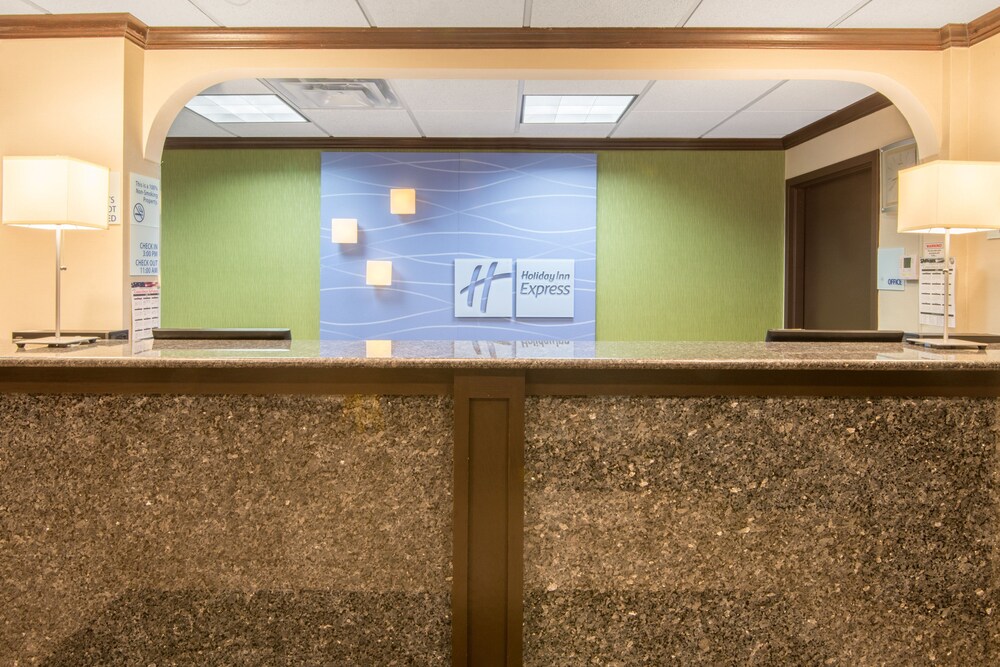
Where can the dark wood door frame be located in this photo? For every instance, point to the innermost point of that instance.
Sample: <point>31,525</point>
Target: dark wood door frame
<point>795,219</point>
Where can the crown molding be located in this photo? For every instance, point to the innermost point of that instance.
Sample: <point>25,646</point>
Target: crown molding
<point>543,38</point>
<point>984,27</point>
<point>48,26</point>
<point>62,26</point>
<point>849,114</point>
<point>473,143</point>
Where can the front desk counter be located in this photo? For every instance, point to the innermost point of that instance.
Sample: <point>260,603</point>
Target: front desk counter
<point>431,503</point>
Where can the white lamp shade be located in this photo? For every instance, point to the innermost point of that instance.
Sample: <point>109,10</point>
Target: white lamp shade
<point>54,192</point>
<point>402,201</point>
<point>949,195</point>
<point>344,230</point>
<point>379,273</point>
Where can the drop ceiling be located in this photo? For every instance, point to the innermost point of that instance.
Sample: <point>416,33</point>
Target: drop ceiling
<point>483,108</point>
<point>488,108</point>
<point>530,13</point>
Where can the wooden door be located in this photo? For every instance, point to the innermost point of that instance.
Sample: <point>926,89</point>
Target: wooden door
<point>831,243</point>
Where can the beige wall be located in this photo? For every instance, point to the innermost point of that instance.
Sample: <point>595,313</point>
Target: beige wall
<point>61,97</point>
<point>984,129</point>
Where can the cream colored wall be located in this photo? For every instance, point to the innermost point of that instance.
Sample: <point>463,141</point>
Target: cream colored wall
<point>61,97</point>
<point>984,128</point>
<point>896,310</point>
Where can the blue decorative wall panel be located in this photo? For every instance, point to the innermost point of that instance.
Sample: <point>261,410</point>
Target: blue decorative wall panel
<point>469,206</point>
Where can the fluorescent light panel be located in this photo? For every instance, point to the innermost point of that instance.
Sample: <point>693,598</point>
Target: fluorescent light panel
<point>574,108</point>
<point>244,109</point>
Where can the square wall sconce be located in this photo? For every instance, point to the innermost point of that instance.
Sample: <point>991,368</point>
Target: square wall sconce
<point>378,349</point>
<point>378,273</point>
<point>402,201</point>
<point>345,230</point>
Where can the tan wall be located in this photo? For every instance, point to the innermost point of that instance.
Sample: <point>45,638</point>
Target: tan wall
<point>61,97</point>
<point>984,128</point>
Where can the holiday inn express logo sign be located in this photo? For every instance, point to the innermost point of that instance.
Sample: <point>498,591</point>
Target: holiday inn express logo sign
<point>490,287</point>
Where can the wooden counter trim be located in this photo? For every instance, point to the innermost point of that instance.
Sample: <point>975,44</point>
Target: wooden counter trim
<point>222,380</point>
<point>539,382</point>
<point>754,382</point>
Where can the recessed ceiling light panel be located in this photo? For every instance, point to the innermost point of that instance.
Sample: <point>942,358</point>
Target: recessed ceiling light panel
<point>574,108</point>
<point>244,109</point>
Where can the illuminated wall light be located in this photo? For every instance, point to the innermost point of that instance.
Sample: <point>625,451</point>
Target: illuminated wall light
<point>402,201</point>
<point>379,273</point>
<point>344,230</point>
<point>378,349</point>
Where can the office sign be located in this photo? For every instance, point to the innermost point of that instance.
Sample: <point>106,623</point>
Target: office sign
<point>144,227</point>
<point>545,288</point>
<point>483,287</point>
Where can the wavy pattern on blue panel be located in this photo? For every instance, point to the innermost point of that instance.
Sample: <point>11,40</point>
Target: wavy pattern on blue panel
<point>469,205</point>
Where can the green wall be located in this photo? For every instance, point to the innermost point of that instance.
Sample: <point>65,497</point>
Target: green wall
<point>689,243</point>
<point>240,239</point>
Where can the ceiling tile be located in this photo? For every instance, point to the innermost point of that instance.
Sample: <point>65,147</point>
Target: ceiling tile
<point>466,124</point>
<point>566,130</point>
<point>698,95</point>
<point>190,124</point>
<point>456,94</point>
<point>769,13</point>
<point>669,124</point>
<point>583,87</point>
<point>764,124</point>
<point>364,123</point>
<point>275,130</point>
<point>17,7</point>
<point>239,87</point>
<point>445,13</point>
<point>917,13</point>
<point>150,12</point>
<point>601,13</point>
<point>301,13</point>
<point>812,96</point>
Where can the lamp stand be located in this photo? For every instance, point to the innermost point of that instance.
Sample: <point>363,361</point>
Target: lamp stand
<point>58,340</point>
<point>945,343</point>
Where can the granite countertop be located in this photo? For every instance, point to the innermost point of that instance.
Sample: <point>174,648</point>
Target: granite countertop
<point>511,355</point>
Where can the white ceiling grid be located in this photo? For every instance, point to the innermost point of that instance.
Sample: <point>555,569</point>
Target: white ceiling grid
<point>539,13</point>
<point>770,13</point>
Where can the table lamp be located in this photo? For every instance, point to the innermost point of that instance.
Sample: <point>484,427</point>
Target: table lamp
<point>949,197</point>
<point>55,193</point>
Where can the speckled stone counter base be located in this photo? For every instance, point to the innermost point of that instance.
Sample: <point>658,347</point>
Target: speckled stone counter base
<point>744,531</point>
<point>249,530</point>
<point>264,628</point>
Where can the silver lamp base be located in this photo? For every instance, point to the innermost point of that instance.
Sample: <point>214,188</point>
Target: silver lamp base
<point>57,341</point>
<point>950,344</point>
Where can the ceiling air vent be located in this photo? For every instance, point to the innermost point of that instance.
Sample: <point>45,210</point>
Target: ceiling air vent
<point>337,93</point>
